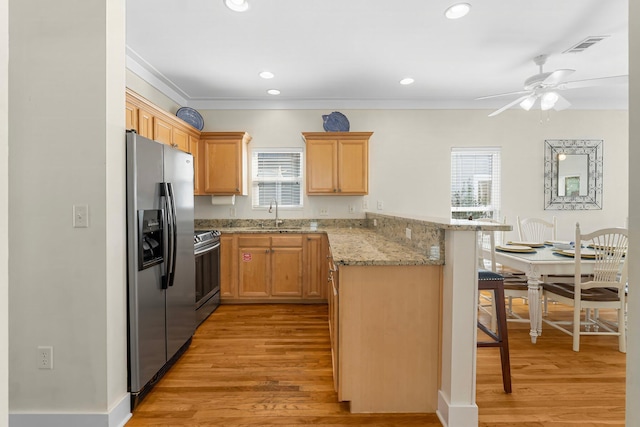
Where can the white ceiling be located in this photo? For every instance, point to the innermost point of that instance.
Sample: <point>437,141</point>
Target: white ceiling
<point>352,53</point>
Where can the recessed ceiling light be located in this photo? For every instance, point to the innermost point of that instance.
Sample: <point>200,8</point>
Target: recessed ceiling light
<point>237,5</point>
<point>406,81</point>
<point>266,75</point>
<point>273,92</point>
<point>457,10</point>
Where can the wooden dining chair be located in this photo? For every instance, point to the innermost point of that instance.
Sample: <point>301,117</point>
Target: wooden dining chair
<point>605,289</point>
<point>536,230</point>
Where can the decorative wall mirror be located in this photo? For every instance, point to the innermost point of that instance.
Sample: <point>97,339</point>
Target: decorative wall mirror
<point>573,174</point>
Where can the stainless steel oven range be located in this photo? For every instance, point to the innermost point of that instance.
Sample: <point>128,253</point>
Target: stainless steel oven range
<point>207,253</point>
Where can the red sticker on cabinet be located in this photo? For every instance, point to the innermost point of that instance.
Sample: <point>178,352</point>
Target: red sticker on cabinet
<point>246,257</point>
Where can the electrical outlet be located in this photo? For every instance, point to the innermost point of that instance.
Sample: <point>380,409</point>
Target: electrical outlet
<point>380,205</point>
<point>45,357</point>
<point>324,211</point>
<point>352,209</point>
<point>232,212</point>
<point>365,204</point>
<point>80,216</point>
<point>375,222</point>
<point>407,232</point>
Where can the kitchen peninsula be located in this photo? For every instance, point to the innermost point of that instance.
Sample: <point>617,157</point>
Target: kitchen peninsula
<point>397,345</point>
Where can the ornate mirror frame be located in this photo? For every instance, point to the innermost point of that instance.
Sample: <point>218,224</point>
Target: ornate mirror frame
<point>592,149</point>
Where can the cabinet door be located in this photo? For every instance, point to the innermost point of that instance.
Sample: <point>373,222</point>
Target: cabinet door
<point>322,167</point>
<point>131,116</point>
<point>228,267</point>
<point>315,272</point>
<point>145,123</point>
<point>286,272</point>
<point>162,131</point>
<point>194,149</point>
<point>223,166</point>
<point>353,173</point>
<point>180,139</point>
<point>334,328</point>
<point>254,269</point>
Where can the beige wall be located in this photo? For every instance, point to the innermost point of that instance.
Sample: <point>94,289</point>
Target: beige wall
<point>410,159</point>
<point>633,347</point>
<point>4,214</point>
<point>66,133</point>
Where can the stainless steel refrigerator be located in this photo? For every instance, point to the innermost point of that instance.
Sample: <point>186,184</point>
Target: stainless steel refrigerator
<point>160,259</point>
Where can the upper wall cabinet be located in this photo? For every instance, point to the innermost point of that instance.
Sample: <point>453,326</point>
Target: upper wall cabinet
<point>222,163</point>
<point>153,123</point>
<point>337,163</point>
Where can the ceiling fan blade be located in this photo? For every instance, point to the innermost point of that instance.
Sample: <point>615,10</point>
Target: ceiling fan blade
<point>520,92</point>
<point>557,76</point>
<point>509,105</point>
<point>613,80</point>
<point>561,103</point>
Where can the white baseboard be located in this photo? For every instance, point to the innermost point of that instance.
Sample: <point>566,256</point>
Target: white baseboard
<point>116,417</point>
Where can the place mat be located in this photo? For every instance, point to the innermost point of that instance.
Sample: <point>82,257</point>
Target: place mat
<point>515,248</point>
<point>530,244</point>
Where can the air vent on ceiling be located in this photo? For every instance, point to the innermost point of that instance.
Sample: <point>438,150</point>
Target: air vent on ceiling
<point>585,44</point>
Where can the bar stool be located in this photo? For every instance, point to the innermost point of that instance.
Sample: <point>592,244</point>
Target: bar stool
<point>490,281</point>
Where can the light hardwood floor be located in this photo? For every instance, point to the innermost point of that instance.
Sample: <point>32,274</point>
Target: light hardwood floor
<point>268,365</point>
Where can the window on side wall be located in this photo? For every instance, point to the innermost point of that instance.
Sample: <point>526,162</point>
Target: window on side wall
<point>475,183</point>
<point>277,175</point>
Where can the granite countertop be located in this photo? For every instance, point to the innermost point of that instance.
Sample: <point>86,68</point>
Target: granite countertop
<point>355,246</point>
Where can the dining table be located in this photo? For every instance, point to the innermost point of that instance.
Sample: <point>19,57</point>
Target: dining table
<point>536,263</point>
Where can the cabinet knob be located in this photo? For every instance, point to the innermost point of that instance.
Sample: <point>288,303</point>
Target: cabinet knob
<point>335,190</point>
<point>266,251</point>
<point>340,190</point>
<point>237,189</point>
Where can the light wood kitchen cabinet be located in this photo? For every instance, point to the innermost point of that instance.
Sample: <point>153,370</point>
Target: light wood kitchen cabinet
<point>337,163</point>
<point>315,276</point>
<point>223,163</point>
<point>131,116</point>
<point>194,149</point>
<point>151,122</point>
<point>254,254</point>
<point>270,266</point>
<point>334,319</point>
<point>387,335</point>
<point>282,267</point>
<point>145,123</point>
<point>162,131</point>
<point>228,266</point>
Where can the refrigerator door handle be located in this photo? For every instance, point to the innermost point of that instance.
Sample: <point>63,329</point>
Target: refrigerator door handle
<point>174,237</point>
<point>166,277</point>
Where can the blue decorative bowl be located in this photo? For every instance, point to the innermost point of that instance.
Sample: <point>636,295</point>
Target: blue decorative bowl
<point>335,122</point>
<point>191,116</point>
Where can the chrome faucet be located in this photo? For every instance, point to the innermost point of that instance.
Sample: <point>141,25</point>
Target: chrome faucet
<point>278,221</point>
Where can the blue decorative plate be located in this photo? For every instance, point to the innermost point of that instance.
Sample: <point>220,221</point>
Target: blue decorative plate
<point>191,116</point>
<point>335,122</point>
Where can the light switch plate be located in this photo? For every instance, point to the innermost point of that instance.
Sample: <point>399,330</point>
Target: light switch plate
<point>80,216</point>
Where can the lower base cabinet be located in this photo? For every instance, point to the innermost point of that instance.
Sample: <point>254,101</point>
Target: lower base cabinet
<point>272,267</point>
<point>385,323</point>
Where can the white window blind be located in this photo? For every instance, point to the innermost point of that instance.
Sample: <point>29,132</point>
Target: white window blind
<point>277,175</point>
<point>475,183</point>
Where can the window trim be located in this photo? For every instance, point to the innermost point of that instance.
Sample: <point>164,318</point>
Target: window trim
<point>495,206</point>
<point>254,152</point>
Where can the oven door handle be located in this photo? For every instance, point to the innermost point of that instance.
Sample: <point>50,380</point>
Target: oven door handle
<point>207,249</point>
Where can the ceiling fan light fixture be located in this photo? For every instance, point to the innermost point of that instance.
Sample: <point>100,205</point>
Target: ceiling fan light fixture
<point>237,5</point>
<point>548,100</point>
<point>528,102</point>
<point>457,11</point>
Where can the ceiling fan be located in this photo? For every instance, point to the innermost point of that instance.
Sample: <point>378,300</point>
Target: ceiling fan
<point>546,85</point>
